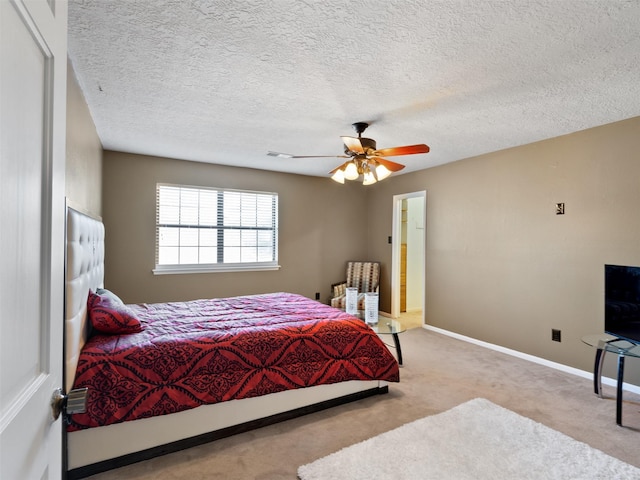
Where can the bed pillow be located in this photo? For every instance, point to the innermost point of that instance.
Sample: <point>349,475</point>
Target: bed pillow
<point>108,315</point>
<point>103,292</point>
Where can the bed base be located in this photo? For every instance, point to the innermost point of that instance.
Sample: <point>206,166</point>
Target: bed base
<point>100,449</point>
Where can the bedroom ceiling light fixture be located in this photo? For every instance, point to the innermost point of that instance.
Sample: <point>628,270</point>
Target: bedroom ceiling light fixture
<point>365,160</point>
<point>370,170</point>
<point>360,168</point>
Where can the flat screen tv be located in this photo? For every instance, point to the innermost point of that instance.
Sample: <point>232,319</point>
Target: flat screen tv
<point>622,302</point>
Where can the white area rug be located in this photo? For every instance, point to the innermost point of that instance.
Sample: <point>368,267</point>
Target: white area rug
<point>476,440</point>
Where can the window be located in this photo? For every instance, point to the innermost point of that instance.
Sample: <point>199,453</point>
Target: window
<point>212,229</point>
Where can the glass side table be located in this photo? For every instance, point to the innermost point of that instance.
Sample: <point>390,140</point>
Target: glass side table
<point>623,348</point>
<point>388,326</point>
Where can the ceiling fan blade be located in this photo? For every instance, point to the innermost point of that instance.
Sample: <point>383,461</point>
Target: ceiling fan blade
<point>391,166</point>
<point>353,144</point>
<point>406,150</point>
<point>287,155</point>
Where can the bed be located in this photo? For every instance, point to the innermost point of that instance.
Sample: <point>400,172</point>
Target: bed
<point>224,365</point>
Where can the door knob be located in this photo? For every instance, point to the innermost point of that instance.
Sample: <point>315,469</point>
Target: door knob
<point>74,402</point>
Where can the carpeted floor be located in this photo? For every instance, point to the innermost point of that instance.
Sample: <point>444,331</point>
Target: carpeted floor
<point>439,373</point>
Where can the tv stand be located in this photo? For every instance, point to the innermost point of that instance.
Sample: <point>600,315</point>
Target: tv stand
<point>623,348</point>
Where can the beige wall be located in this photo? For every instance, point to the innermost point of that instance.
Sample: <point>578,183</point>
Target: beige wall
<point>84,152</point>
<point>321,225</point>
<point>501,266</point>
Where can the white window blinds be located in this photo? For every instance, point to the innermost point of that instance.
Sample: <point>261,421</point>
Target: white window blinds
<point>211,229</point>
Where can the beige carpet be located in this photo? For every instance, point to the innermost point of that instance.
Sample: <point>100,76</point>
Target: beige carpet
<point>439,373</point>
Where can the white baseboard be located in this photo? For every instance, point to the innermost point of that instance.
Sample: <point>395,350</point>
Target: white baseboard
<point>525,356</point>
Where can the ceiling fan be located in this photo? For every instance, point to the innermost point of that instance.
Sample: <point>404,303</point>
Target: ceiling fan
<point>364,158</point>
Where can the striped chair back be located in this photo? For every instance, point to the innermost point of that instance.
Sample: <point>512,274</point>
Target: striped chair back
<point>363,275</point>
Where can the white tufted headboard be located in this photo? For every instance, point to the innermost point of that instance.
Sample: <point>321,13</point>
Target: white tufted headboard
<point>84,272</point>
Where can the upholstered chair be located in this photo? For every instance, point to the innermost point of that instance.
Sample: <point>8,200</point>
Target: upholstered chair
<point>365,276</point>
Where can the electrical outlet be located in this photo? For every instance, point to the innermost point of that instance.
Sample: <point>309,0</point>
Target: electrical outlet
<point>556,335</point>
<point>317,295</point>
<point>559,208</point>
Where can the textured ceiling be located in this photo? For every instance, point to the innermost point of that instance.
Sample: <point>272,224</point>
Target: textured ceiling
<point>226,81</point>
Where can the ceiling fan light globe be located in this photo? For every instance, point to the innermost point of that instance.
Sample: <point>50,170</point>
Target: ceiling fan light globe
<point>351,172</point>
<point>382,172</point>
<point>338,176</point>
<point>369,179</point>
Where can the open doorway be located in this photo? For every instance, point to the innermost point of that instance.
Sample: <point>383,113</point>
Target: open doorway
<point>408,258</point>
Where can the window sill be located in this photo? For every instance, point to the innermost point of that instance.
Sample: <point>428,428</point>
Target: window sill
<point>213,268</point>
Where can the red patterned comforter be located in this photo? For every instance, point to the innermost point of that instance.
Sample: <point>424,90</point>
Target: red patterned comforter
<point>208,351</point>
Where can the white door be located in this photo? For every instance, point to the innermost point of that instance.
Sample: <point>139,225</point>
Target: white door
<point>32,150</point>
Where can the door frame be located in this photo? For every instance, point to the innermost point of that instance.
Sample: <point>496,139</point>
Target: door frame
<point>395,248</point>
